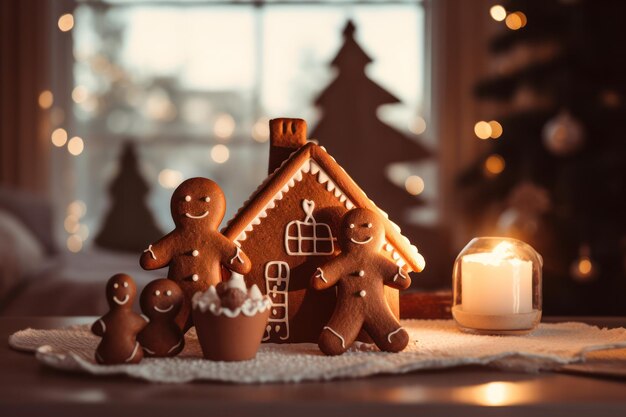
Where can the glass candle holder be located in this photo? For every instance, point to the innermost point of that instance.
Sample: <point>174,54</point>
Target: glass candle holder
<point>497,287</point>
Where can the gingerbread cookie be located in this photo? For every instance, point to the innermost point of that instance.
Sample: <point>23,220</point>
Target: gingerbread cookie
<point>361,273</point>
<point>195,250</point>
<point>120,326</point>
<point>160,302</point>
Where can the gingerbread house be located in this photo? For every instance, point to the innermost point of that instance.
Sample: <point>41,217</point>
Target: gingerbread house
<point>288,228</point>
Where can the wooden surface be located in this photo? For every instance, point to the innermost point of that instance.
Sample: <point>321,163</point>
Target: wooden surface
<point>27,388</point>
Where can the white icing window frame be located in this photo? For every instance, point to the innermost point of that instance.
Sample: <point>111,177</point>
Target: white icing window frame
<point>308,206</point>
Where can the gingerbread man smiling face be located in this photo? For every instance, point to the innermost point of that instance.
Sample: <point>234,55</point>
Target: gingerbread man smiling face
<point>195,250</point>
<point>360,272</point>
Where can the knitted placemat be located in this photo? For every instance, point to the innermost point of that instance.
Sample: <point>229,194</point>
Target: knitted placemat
<point>434,344</point>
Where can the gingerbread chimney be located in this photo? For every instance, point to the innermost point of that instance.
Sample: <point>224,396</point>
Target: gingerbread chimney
<point>286,136</point>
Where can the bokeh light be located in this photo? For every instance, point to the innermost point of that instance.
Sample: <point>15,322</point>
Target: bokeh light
<point>59,137</point>
<point>496,129</point>
<point>417,125</point>
<point>220,153</point>
<point>77,208</point>
<point>482,130</point>
<point>170,178</point>
<point>66,22</point>
<point>79,94</point>
<point>514,21</point>
<point>71,223</point>
<point>74,243</point>
<point>261,130</point>
<point>46,99</point>
<point>224,126</point>
<point>494,164</point>
<point>75,146</point>
<point>414,185</point>
<point>498,13</point>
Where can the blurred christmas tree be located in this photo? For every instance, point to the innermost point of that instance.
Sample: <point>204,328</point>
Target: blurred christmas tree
<point>129,224</point>
<point>556,174</point>
<point>362,144</point>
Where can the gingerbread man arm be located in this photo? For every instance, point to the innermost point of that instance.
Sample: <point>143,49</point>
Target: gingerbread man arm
<point>327,275</point>
<point>98,328</point>
<point>395,276</point>
<point>232,257</point>
<point>157,255</point>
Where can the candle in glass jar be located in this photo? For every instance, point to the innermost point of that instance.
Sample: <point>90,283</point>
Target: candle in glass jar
<point>496,282</point>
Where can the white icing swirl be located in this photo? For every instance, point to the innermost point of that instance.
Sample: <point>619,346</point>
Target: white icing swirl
<point>255,302</point>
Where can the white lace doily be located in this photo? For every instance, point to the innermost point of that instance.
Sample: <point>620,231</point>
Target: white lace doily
<point>434,344</point>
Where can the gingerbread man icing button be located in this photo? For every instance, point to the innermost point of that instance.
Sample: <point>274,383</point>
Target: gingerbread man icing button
<point>120,326</point>
<point>195,250</point>
<point>160,302</point>
<point>360,273</point>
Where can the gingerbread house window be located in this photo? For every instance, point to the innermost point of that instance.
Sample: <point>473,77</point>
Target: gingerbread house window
<point>308,237</point>
<point>277,287</point>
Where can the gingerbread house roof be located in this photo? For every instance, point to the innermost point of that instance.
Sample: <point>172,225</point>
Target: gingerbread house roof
<point>313,159</point>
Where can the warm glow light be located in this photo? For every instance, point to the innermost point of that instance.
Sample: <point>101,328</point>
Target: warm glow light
<point>220,153</point>
<point>498,13</point>
<point>46,99</point>
<point>482,129</point>
<point>414,185</point>
<point>75,146</point>
<point>496,129</point>
<point>522,17</point>
<point>59,137</point>
<point>584,266</point>
<point>74,243</point>
<point>71,224</point>
<point>79,94</point>
<point>514,21</point>
<point>417,125</point>
<point>66,22</point>
<point>170,178</point>
<point>261,130</point>
<point>77,208</point>
<point>224,126</point>
<point>494,164</point>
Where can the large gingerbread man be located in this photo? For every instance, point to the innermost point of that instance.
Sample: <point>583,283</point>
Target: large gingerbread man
<point>361,272</point>
<point>195,250</point>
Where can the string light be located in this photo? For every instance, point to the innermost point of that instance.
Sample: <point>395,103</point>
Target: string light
<point>71,223</point>
<point>66,22</point>
<point>496,129</point>
<point>224,126</point>
<point>418,125</point>
<point>494,164</point>
<point>75,146</point>
<point>170,178</point>
<point>77,208</point>
<point>46,99</point>
<point>220,153</point>
<point>261,130</point>
<point>498,13</point>
<point>482,130</point>
<point>414,185</point>
<point>59,137</point>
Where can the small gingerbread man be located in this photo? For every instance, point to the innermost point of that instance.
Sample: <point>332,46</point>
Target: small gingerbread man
<point>360,272</point>
<point>120,326</point>
<point>160,302</point>
<point>195,250</point>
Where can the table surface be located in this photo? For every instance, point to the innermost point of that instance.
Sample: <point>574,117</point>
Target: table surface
<point>28,388</point>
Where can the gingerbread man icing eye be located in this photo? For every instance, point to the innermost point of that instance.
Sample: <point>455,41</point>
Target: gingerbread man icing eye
<point>168,293</point>
<point>125,284</point>
<point>116,285</point>
<point>187,198</point>
<point>351,225</point>
<point>369,225</point>
<point>207,199</point>
<point>157,292</point>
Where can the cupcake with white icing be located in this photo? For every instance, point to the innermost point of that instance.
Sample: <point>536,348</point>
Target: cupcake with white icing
<point>230,319</point>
